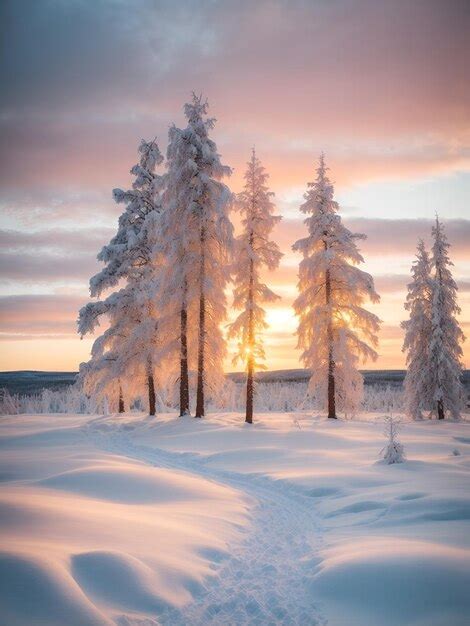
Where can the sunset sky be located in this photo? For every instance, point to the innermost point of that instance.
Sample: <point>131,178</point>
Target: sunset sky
<point>381,87</point>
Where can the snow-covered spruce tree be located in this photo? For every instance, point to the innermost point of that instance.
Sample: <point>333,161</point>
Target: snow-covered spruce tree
<point>123,256</point>
<point>253,252</point>
<point>198,238</point>
<point>128,347</point>
<point>416,344</point>
<point>102,376</point>
<point>445,352</point>
<point>122,357</point>
<point>334,329</point>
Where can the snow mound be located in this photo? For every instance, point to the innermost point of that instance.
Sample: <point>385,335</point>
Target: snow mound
<point>394,582</point>
<point>119,580</point>
<point>39,592</point>
<point>178,521</point>
<point>91,537</point>
<point>132,483</point>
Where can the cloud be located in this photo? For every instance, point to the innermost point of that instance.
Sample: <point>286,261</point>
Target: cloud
<point>34,337</point>
<point>317,56</point>
<point>55,240</point>
<point>365,81</point>
<point>32,268</point>
<point>381,87</point>
<point>387,237</point>
<point>394,237</point>
<point>397,283</point>
<point>52,255</point>
<point>36,315</point>
<point>45,203</point>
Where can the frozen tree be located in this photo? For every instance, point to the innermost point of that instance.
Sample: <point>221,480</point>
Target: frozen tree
<point>417,340</point>
<point>124,256</point>
<point>123,356</point>
<point>254,252</point>
<point>334,329</point>
<point>128,347</point>
<point>445,352</point>
<point>394,451</point>
<point>101,377</point>
<point>198,238</point>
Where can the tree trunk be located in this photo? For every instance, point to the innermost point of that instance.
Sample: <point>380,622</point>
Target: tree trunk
<point>440,410</point>
<point>250,364</point>
<point>249,391</point>
<point>251,333</point>
<point>121,408</point>
<point>440,403</point>
<point>184,375</point>
<point>151,386</point>
<point>202,331</point>
<point>331,363</point>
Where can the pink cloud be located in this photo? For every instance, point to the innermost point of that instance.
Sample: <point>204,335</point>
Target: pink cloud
<point>363,80</point>
<point>39,314</point>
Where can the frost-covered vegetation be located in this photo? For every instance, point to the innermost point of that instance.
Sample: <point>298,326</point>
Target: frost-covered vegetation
<point>254,251</point>
<point>393,452</point>
<point>163,294</point>
<point>433,336</point>
<point>335,331</point>
<point>268,396</point>
<point>173,257</point>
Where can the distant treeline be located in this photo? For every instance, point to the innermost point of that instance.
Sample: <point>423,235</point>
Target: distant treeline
<point>28,382</point>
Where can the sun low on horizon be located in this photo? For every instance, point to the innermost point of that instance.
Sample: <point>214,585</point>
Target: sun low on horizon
<point>85,82</point>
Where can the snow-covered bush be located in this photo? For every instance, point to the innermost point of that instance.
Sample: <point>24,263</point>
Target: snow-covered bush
<point>394,451</point>
<point>9,404</point>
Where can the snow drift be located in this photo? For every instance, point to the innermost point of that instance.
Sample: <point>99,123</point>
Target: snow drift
<point>133,521</point>
<point>88,536</point>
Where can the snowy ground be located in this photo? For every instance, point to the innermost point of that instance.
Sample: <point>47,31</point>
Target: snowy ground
<point>137,521</point>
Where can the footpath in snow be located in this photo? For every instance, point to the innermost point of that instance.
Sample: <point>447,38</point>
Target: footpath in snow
<point>135,521</point>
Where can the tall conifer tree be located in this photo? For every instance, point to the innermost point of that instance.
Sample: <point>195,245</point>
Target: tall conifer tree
<point>198,242</point>
<point>126,350</point>
<point>446,335</point>
<point>254,251</point>
<point>334,329</point>
<point>418,335</point>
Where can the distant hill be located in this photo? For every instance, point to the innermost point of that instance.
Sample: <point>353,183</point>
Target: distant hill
<point>388,377</point>
<point>27,382</point>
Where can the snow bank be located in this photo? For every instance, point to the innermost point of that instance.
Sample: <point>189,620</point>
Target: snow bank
<point>90,537</point>
<point>394,541</point>
<point>131,483</point>
<point>39,591</point>
<point>128,520</point>
<point>389,582</point>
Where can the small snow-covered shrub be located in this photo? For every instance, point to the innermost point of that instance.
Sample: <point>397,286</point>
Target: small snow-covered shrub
<point>394,451</point>
<point>9,404</point>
